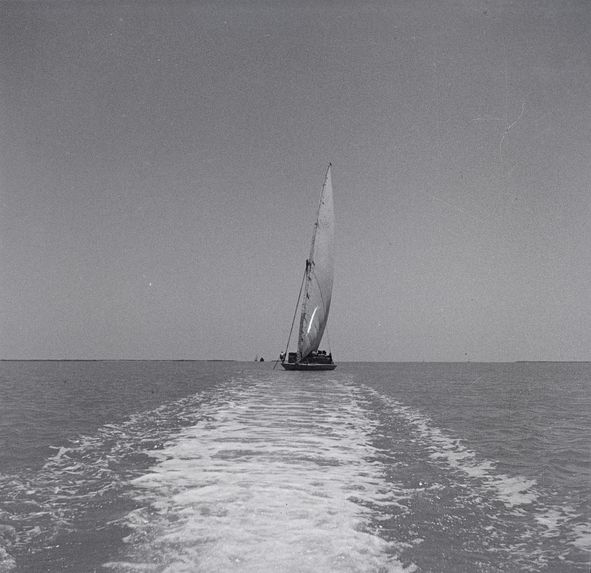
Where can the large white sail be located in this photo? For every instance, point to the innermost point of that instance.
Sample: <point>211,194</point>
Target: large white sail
<point>319,275</point>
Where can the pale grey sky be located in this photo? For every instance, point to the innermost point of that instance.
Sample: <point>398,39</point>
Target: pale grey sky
<point>160,165</point>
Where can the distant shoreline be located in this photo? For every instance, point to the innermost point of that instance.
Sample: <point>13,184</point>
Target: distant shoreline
<point>119,360</point>
<point>270,361</point>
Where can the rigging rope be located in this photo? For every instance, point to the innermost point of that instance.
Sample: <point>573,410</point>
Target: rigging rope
<point>294,316</point>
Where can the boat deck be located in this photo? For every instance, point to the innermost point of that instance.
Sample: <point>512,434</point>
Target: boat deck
<point>308,366</point>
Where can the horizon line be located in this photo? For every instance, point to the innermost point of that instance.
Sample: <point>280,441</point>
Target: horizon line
<point>271,361</point>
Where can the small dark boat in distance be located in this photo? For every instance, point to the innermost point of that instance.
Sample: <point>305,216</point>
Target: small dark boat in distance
<point>317,289</point>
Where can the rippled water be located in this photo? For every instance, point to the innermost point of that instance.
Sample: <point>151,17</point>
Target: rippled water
<point>197,466</point>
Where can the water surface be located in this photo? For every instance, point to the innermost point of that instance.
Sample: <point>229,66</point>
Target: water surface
<point>213,466</point>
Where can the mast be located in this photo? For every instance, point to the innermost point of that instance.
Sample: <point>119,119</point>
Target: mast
<point>318,274</point>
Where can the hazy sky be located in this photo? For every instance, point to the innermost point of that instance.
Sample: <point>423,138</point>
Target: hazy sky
<point>160,167</point>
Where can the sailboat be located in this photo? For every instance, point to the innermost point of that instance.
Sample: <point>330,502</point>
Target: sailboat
<point>317,291</point>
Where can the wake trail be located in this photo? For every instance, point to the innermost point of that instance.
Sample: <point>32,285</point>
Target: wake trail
<point>278,477</point>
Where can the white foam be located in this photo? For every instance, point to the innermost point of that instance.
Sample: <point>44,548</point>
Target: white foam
<point>279,478</point>
<point>582,539</point>
<point>551,521</point>
<point>548,521</point>
<point>512,491</point>
<point>7,562</point>
<point>51,499</point>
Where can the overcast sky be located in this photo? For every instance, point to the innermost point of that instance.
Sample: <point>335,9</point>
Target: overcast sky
<point>160,167</point>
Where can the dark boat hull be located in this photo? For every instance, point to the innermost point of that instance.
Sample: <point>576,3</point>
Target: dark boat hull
<point>308,366</point>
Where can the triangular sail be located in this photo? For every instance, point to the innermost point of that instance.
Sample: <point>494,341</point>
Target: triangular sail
<point>319,275</point>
